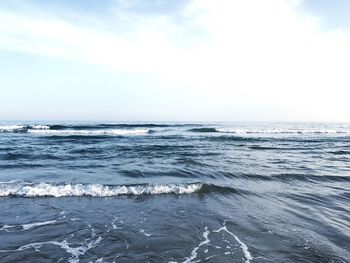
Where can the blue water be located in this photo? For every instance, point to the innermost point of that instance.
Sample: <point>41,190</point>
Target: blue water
<point>174,192</point>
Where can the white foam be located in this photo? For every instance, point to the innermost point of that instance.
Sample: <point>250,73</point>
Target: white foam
<point>28,226</point>
<point>74,251</point>
<point>94,190</point>
<point>10,128</point>
<point>14,128</point>
<point>207,258</point>
<point>89,132</point>
<point>281,131</point>
<point>243,246</point>
<point>204,242</point>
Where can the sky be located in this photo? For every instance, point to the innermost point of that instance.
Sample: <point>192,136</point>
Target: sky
<point>184,60</point>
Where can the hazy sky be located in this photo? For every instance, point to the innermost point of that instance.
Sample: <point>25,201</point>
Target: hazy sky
<point>183,60</point>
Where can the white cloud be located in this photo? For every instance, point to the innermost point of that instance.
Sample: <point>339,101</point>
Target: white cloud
<point>263,54</point>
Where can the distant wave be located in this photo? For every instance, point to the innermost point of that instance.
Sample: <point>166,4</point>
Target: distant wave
<point>283,131</point>
<point>88,129</point>
<point>25,128</point>
<point>267,131</point>
<point>49,130</point>
<point>142,128</point>
<point>203,130</point>
<point>91,132</point>
<point>92,190</point>
<point>118,125</point>
<point>22,128</point>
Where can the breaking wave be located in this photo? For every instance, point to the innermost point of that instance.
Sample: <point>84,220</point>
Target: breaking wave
<point>267,131</point>
<point>143,128</point>
<point>86,127</point>
<point>117,126</point>
<point>22,128</point>
<point>93,190</point>
<point>90,132</point>
<point>48,130</point>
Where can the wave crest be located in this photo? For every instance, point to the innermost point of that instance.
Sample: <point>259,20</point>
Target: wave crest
<point>93,190</point>
<point>90,132</point>
<point>48,130</point>
<point>280,131</point>
<point>267,131</point>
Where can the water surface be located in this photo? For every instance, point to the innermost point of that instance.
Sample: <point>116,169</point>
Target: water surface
<point>174,192</point>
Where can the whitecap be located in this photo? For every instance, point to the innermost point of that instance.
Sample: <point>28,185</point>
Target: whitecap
<point>282,131</point>
<point>10,128</point>
<point>27,226</point>
<point>93,190</point>
<point>90,132</point>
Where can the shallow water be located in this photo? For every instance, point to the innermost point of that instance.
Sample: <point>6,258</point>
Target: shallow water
<point>174,192</point>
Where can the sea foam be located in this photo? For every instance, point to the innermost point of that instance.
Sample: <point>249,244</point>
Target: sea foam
<point>281,131</point>
<point>93,190</point>
<point>89,132</point>
<point>7,228</point>
<point>22,128</point>
<point>10,128</point>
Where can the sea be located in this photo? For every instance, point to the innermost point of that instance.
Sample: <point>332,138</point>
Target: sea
<point>174,192</point>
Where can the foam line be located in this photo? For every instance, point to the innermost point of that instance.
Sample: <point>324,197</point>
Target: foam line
<point>93,190</point>
<point>28,226</point>
<point>194,251</point>
<point>282,131</point>
<point>89,132</point>
<point>243,246</point>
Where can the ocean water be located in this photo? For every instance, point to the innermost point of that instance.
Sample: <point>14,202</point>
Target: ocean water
<point>174,192</point>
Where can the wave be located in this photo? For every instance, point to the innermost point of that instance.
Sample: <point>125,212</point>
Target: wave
<point>22,128</point>
<point>71,130</point>
<point>117,125</point>
<point>127,128</point>
<point>63,130</point>
<point>203,130</point>
<point>281,131</point>
<point>261,139</point>
<point>289,177</point>
<point>340,152</point>
<point>8,228</point>
<point>123,126</point>
<point>44,189</point>
<point>230,138</point>
<point>93,190</point>
<point>90,132</point>
<point>267,131</point>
